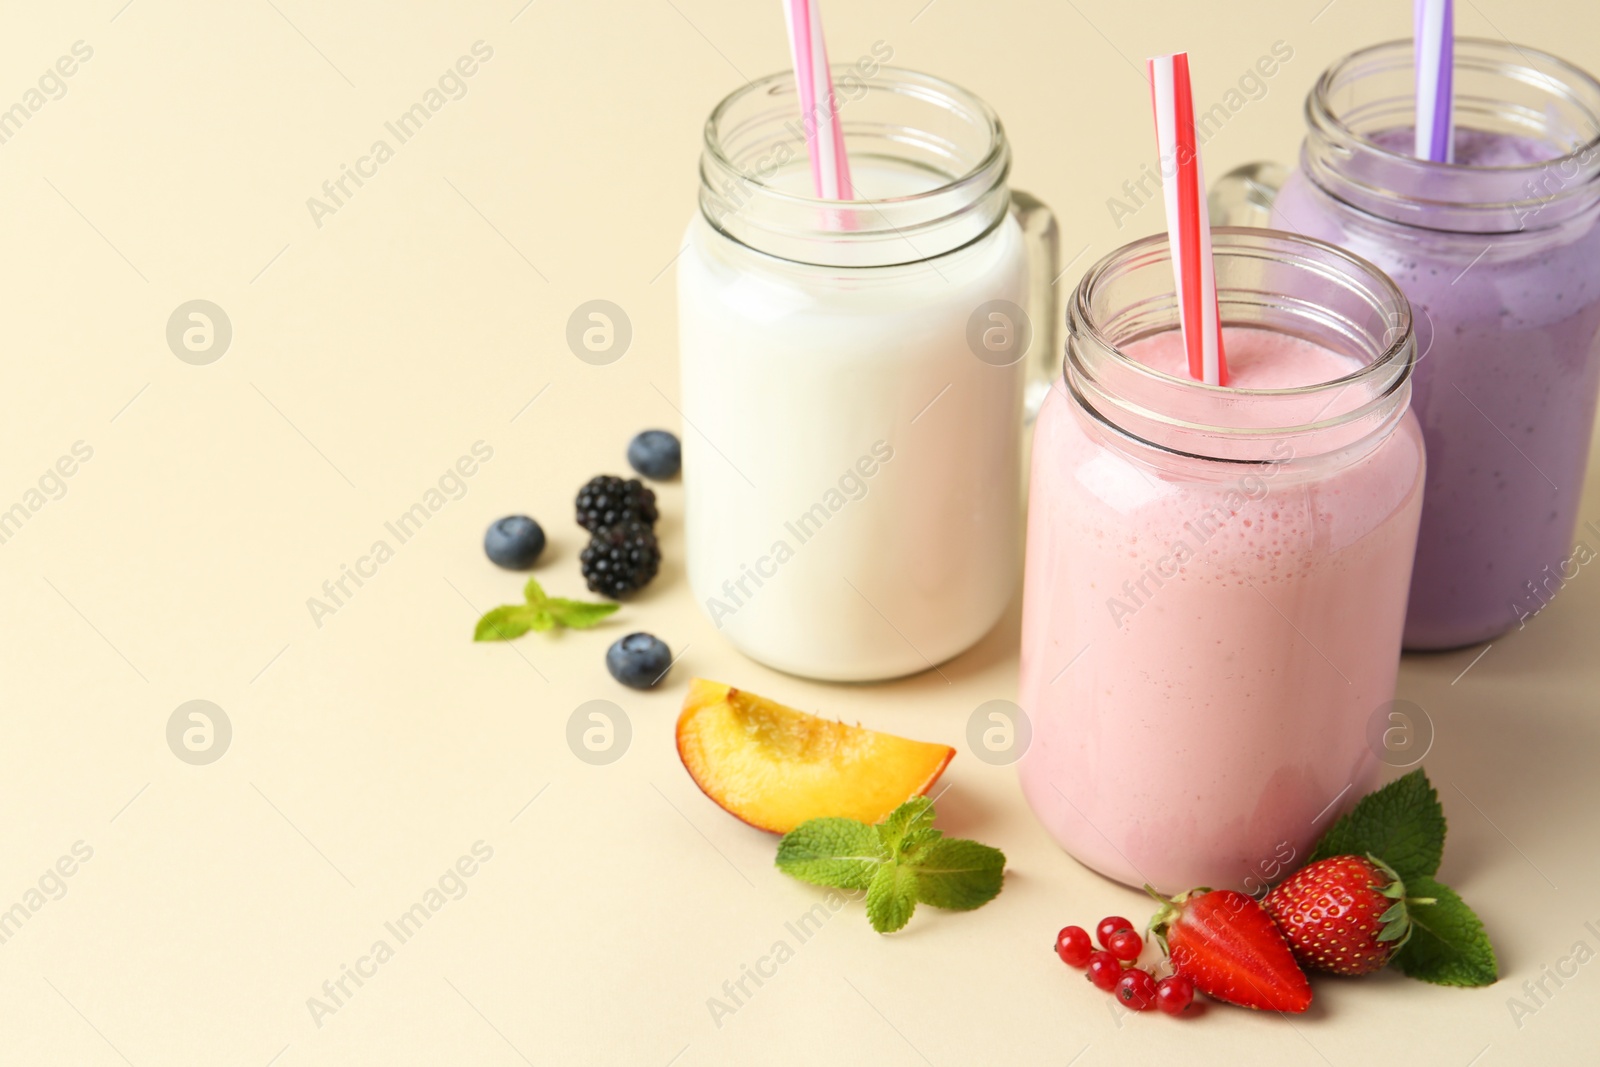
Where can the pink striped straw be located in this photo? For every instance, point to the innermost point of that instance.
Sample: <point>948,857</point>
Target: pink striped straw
<point>830,168</point>
<point>1183,185</point>
<point>1435,58</point>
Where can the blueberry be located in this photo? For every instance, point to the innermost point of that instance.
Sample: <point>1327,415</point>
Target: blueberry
<point>514,542</point>
<point>639,661</point>
<point>655,454</point>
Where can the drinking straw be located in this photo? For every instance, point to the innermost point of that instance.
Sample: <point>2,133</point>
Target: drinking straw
<point>1435,59</point>
<point>1194,275</point>
<point>819,109</point>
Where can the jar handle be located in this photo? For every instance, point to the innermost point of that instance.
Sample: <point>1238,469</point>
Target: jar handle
<point>1244,195</point>
<point>1043,240</point>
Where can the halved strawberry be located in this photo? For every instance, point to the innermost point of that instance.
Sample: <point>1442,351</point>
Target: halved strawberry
<point>1227,945</point>
<point>1344,915</point>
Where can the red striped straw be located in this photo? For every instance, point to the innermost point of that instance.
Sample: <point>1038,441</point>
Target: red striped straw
<point>1188,226</point>
<point>819,108</point>
<point>1435,61</point>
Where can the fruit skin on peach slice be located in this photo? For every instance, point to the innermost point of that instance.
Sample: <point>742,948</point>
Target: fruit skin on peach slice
<point>775,767</point>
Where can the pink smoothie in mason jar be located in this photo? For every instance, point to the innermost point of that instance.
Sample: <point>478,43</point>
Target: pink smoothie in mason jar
<point>1216,577</point>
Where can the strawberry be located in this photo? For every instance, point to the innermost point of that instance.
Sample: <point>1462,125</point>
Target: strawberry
<point>1344,915</point>
<point>1226,944</point>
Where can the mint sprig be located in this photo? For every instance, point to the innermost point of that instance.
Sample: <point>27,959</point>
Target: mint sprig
<point>540,613</point>
<point>900,862</point>
<point>1402,827</point>
<point>1402,824</point>
<point>1448,944</point>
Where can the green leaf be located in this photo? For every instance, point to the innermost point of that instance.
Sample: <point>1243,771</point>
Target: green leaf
<point>832,852</point>
<point>575,614</point>
<point>960,875</point>
<point>1448,944</point>
<point>915,814</point>
<point>1401,824</point>
<point>508,621</point>
<point>1397,928</point>
<point>891,898</point>
<point>915,844</point>
<point>900,862</point>
<point>540,613</point>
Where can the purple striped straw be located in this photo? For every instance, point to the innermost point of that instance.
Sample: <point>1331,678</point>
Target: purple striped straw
<point>1435,59</point>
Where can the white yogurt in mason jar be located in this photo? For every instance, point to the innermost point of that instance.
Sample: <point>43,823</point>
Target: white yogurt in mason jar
<point>852,466</point>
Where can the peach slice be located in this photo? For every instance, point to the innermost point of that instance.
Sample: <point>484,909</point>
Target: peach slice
<point>775,767</point>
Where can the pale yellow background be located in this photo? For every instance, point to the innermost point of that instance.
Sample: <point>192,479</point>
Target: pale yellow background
<point>371,752</point>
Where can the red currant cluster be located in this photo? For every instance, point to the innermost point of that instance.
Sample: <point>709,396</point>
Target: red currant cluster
<point>1112,967</point>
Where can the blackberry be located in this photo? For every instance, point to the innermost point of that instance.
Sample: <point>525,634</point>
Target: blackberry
<point>620,559</point>
<point>607,500</point>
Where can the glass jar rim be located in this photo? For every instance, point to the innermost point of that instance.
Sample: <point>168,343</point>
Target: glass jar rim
<point>892,118</point>
<point>1334,300</point>
<point>1322,116</point>
<point>1100,270</point>
<point>927,86</point>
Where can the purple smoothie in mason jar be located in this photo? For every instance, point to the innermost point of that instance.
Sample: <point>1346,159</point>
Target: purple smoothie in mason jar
<point>1499,255</point>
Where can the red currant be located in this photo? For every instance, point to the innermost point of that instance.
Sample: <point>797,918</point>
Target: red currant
<point>1125,945</point>
<point>1072,945</point>
<point>1174,994</point>
<point>1104,970</point>
<point>1108,926</point>
<point>1137,989</point>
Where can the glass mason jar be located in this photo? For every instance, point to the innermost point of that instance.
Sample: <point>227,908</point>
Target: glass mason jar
<point>1500,256</point>
<point>853,377</point>
<point>1216,576</point>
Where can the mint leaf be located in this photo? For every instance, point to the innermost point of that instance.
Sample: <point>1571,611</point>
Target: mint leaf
<point>1401,824</point>
<point>1448,944</point>
<point>540,613</point>
<point>1401,827</point>
<point>900,862</point>
<point>510,620</point>
<point>575,614</point>
<point>959,875</point>
<point>832,852</point>
<point>891,898</point>
<point>914,814</point>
